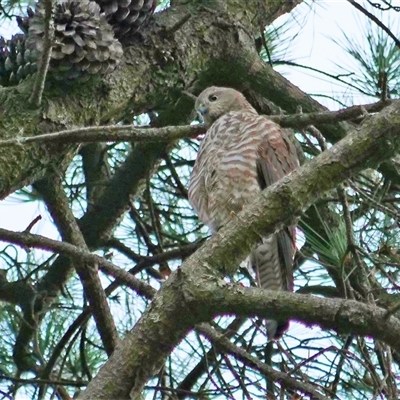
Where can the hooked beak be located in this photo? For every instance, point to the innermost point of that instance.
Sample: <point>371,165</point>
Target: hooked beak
<point>202,110</point>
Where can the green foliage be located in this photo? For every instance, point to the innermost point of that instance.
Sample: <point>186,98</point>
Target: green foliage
<point>330,244</point>
<point>376,59</point>
<point>157,230</point>
<point>275,45</point>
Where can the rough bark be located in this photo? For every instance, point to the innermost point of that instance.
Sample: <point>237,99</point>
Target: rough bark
<point>213,48</point>
<point>187,48</point>
<point>195,293</point>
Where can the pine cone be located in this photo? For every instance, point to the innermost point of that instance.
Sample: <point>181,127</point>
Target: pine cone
<point>127,16</point>
<point>23,22</point>
<point>14,61</point>
<point>83,41</point>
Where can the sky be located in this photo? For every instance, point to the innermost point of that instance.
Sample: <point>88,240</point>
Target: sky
<point>310,44</point>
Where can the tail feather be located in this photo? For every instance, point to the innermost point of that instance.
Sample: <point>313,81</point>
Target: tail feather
<point>272,261</point>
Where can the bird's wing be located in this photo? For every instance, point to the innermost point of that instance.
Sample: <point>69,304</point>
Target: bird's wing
<point>277,157</point>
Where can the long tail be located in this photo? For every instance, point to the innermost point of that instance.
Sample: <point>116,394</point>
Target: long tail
<point>272,261</point>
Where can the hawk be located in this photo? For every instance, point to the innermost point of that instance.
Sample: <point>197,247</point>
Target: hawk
<point>241,154</point>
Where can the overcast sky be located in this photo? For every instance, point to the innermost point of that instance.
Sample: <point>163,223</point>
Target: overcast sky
<point>312,27</point>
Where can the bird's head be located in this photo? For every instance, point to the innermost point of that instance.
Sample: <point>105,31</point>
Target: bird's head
<point>214,102</point>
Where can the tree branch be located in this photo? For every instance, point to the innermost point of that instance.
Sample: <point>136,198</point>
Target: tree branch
<point>40,80</point>
<point>222,343</point>
<point>110,133</point>
<point>57,203</point>
<point>195,293</point>
<point>377,21</point>
<point>29,240</point>
<point>118,133</point>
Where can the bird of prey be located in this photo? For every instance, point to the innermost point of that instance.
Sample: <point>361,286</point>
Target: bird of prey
<point>243,153</point>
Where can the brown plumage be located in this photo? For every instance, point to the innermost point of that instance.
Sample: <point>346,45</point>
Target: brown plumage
<point>241,154</point>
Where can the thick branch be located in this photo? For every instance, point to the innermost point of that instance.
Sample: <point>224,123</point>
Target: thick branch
<point>112,133</point>
<point>140,84</point>
<point>57,204</point>
<point>118,133</point>
<point>175,309</point>
<point>343,316</point>
<point>29,240</point>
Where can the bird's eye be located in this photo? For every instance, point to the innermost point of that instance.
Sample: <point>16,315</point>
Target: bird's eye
<point>212,97</point>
